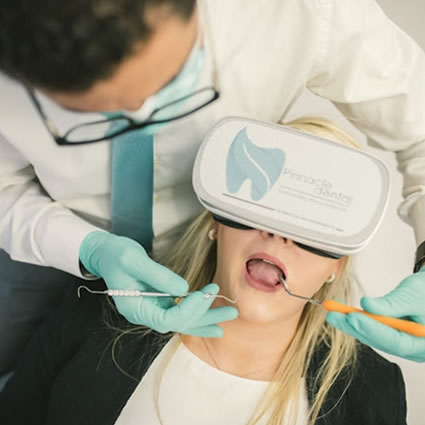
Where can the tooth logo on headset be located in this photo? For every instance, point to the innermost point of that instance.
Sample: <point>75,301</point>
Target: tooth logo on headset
<point>246,161</point>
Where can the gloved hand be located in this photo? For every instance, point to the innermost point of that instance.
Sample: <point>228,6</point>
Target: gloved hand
<point>406,301</point>
<point>124,264</point>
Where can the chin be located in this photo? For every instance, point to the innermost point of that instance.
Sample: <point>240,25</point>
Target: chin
<point>257,310</point>
<point>258,313</point>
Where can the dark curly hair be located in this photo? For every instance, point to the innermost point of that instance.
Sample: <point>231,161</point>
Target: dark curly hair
<point>67,46</point>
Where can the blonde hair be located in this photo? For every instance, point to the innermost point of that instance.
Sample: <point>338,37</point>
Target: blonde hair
<point>323,128</point>
<point>194,258</point>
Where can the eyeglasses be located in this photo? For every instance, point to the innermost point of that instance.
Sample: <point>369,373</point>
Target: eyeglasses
<point>97,131</point>
<point>100,130</point>
<point>311,249</point>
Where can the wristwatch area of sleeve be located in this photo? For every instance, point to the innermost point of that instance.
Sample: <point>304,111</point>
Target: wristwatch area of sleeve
<point>420,257</point>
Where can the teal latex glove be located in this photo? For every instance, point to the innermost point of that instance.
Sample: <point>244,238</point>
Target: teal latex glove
<point>406,301</point>
<point>124,264</point>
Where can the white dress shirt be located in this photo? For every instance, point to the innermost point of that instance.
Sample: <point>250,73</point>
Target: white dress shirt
<point>189,391</point>
<point>266,52</point>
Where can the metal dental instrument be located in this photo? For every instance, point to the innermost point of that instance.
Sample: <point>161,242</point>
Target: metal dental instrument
<point>286,287</point>
<point>136,293</point>
<point>406,326</point>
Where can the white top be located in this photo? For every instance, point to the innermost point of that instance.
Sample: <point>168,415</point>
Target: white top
<point>193,392</point>
<point>267,52</point>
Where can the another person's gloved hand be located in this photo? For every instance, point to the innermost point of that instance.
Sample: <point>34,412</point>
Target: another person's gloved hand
<point>407,301</point>
<point>124,264</point>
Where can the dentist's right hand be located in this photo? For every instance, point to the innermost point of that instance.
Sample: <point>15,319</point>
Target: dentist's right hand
<point>124,264</point>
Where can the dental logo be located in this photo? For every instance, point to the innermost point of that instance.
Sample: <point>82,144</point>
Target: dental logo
<point>246,161</point>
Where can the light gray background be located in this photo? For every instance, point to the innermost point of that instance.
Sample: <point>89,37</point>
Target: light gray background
<point>390,256</point>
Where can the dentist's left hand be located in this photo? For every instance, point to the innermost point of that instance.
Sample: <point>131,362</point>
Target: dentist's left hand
<point>124,264</point>
<point>407,300</point>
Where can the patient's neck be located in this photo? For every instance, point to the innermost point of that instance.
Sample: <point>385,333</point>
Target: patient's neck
<point>247,349</point>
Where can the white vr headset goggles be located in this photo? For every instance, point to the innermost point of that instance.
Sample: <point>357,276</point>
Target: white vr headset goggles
<point>327,197</point>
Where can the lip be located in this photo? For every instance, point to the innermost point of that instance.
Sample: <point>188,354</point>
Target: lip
<point>260,285</point>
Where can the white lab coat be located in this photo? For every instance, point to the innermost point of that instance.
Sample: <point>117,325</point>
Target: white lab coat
<point>267,51</point>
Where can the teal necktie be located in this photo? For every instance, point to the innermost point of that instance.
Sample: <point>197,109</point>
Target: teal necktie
<point>132,187</point>
<point>132,160</point>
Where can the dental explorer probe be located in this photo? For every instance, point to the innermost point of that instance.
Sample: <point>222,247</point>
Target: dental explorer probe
<point>402,325</point>
<point>136,293</point>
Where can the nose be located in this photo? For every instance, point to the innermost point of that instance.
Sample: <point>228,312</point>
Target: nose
<point>288,242</point>
<point>132,106</point>
<point>114,106</point>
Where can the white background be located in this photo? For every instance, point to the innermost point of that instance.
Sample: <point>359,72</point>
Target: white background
<point>390,256</point>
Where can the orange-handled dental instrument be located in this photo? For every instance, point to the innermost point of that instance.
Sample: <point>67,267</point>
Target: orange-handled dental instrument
<point>402,325</point>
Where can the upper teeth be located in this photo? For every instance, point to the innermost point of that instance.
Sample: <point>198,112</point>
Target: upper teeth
<point>267,261</point>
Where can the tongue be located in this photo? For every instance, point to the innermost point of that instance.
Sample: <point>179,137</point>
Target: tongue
<point>264,272</point>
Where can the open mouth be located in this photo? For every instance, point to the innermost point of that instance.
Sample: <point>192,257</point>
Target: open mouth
<point>264,272</point>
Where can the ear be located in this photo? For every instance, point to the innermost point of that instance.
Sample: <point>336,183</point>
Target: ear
<point>213,231</point>
<point>339,265</point>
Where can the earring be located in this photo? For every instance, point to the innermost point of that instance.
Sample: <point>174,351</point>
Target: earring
<point>212,234</point>
<point>331,278</point>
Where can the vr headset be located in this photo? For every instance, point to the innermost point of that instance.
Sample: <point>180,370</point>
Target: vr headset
<point>329,198</point>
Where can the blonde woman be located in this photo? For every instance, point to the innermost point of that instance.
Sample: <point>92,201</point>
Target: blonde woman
<point>277,363</point>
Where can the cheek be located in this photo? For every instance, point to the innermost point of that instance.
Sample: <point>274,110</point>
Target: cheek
<point>225,266</point>
<point>232,249</point>
<point>231,258</point>
<point>308,280</point>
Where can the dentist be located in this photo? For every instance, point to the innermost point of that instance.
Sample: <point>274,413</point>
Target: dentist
<point>103,104</point>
